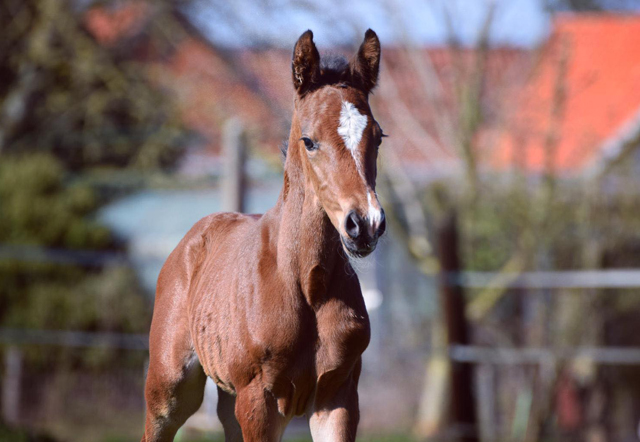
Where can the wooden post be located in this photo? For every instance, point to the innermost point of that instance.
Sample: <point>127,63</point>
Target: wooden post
<point>145,372</point>
<point>11,386</point>
<point>462,403</point>
<point>487,397</point>
<point>234,182</point>
<point>233,200</point>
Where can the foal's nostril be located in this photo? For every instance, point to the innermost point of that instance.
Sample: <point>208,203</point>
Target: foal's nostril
<point>383,223</point>
<point>352,224</point>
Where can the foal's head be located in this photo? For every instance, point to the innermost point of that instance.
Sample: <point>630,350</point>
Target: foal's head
<point>339,138</point>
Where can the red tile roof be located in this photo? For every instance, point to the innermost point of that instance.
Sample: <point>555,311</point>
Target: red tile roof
<point>110,25</point>
<point>596,94</point>
<point>421,111</point>
<point>211,89</point>
<point>572,114</point>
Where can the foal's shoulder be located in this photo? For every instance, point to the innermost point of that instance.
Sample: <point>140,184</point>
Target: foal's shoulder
<point>228,219</point>
<point>226,224</point>
<point>216,226</point>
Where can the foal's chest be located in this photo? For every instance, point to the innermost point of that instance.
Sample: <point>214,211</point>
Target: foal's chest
<point>343,334</point>
<point>283,339</point>
<point>328,346</point>
<point>328,328</point>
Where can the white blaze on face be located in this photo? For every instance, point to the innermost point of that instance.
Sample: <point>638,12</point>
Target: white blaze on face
<point>374,214</point>
<point>352,126</point>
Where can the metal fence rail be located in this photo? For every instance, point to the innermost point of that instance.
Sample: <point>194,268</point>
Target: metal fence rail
<point>576,279</point>
<point>460,353</point>
<point>530,355</point>
<point>613,278</point>
<point>74,339</point>
<point>31,254</point>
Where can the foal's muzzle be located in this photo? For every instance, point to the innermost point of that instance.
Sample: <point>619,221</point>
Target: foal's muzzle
<point>362,233</point>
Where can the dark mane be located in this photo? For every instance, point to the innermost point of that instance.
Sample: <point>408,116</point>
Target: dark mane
<point>334,69</point>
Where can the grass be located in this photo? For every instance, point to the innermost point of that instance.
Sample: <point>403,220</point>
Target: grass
<point>11,435</point>
<point>362,438</point>
<point>365,438</point>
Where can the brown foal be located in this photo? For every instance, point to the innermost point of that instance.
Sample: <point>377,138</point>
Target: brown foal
<point>268,306</point>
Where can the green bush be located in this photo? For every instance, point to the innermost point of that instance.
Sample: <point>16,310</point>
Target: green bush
<point>36,207</point>
<point>40,211</point>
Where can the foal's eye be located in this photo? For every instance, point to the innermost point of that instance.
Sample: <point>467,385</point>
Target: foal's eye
<point>308,144</point>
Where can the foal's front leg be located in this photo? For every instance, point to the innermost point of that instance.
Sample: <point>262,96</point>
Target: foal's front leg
<point>257,414</point>
<point>335,413</point>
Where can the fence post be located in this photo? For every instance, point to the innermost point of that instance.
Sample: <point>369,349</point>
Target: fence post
<point>145,372</point>
<point>233,200</point>
<point>11,385</point>
<point>234,183</point>
<point>462,401</point>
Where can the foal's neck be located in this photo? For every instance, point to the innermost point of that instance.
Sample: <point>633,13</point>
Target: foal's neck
<point>308,244</point>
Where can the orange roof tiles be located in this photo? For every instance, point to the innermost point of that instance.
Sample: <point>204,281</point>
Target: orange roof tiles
<point>586,89</point>
<point>583,91</point>
<point>110,25</point>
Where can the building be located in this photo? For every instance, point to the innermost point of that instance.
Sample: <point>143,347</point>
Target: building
<point>569,107</point>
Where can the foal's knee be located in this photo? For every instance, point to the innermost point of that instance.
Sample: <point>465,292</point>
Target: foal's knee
<point>172,396</point>
<point>335,412</point>
<point>257,413</point>
<point>166,413</point>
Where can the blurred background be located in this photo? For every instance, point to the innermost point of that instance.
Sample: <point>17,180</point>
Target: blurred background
<point>505,299</point>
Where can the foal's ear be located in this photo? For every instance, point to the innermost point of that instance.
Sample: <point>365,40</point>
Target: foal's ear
<point>305,64</point>
<point>366,64</point>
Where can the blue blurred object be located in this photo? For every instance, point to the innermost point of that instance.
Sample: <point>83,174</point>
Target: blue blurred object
<point>153,222</point>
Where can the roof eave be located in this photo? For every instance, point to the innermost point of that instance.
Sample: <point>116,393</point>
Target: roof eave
<point>614,147</point>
